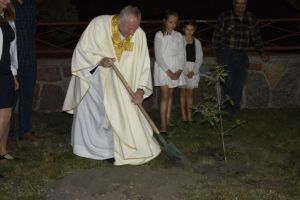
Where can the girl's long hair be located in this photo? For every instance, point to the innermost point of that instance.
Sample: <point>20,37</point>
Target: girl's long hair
<point>168,13</point>
<point>9,14</point>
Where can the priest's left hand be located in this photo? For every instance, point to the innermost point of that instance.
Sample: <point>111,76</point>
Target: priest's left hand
<point>138,96</point>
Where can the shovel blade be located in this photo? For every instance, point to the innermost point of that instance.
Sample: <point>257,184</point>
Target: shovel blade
<point>172,152</point>
<point>175,155</point>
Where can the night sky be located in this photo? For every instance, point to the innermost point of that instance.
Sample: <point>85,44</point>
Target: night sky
<point>209,9</point>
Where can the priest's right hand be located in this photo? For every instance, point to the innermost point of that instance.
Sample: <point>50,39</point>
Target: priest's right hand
<point>107,62</point>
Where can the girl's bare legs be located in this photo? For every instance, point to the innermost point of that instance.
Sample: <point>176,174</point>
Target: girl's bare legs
<point>170,102</point>
<point>5,115</point>
<point>165,96</point>
<point>183,104</point>
<point>189,94</point>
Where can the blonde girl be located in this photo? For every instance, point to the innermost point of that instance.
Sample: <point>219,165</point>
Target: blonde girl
<point>168,67</point>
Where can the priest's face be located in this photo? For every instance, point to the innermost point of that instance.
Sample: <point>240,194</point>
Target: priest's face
<point>129,24</point>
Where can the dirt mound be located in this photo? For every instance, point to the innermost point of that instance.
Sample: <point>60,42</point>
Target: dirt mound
<point>123,184</point>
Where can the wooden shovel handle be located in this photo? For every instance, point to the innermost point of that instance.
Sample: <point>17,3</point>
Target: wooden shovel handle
<point>123,80</point>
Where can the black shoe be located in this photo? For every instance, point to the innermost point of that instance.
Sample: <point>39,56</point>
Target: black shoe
<point>230,110</point>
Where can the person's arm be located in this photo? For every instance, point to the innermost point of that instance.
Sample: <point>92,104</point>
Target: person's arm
<point>14,58</point>
<point>138,96</point>
<point>199,56</point>
<point>13,53</point>
<point>257,39</point>
<point>255,34</point>
<point>181,56</point>
<point>158,52</point>
<point>182,53</point>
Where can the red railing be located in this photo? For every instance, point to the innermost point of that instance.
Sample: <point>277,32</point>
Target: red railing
<point>55,39</point>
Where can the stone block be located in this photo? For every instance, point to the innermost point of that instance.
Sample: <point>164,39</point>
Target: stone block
<point>49,74</point>
<point>273,72</point>
<point>67,72</point>
<point>203,90</point>
<point>65,83</point>
<point>51,98</point>
<point>36,96</point>
<point>255,66</point>
<point>153,101</point>
<point>285,94</point>
<point>298,99</point>
<point>257,91</point>
<point>206,68</point>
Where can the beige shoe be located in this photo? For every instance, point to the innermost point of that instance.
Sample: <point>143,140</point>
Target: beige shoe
<point>6,156</point>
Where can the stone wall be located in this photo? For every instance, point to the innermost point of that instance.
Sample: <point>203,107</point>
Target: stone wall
<point>272,84</point>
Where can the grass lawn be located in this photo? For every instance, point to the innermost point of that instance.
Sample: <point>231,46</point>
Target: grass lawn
<point>263,157</point>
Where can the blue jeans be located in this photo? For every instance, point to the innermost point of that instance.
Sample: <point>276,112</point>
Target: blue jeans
<point>24,98</point>
<point>237,64</point>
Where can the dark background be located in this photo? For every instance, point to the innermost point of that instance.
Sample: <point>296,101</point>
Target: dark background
<point>187,9</point>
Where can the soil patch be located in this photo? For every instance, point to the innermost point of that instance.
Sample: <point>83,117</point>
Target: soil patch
<point>123,184</point>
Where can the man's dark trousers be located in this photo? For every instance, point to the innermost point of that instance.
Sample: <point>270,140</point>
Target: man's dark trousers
<point>27,80</point>
<point>236,62</point>
<point>24,97</point>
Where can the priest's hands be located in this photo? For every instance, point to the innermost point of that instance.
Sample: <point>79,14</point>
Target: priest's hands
<point>107,62</point>
<point>138,96</point>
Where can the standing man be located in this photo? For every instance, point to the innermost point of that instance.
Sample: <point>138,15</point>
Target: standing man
<point>233,32</point>
<point>26,21</point>
<point>107,122</point>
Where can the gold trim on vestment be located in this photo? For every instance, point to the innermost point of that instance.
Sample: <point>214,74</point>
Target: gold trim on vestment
<point>119,45</point>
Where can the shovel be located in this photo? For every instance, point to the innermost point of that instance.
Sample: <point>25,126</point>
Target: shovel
<point>169,149</point>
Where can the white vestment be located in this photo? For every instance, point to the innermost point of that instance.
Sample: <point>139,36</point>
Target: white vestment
<point>132,136</point>
<point>91,135</point>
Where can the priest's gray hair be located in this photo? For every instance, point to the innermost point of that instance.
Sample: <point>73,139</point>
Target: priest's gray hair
<point>130,10</point>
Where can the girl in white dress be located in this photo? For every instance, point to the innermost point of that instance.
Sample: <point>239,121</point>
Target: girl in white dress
<point>194,57</point>
<point>168,67</point>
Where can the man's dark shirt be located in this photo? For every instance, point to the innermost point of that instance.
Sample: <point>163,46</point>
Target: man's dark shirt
<point>236,32</point>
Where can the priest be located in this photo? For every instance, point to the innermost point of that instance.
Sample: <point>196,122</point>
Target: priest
<point>107,122</point>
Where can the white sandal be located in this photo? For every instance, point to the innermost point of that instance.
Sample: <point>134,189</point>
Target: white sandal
<point>6,156</point>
